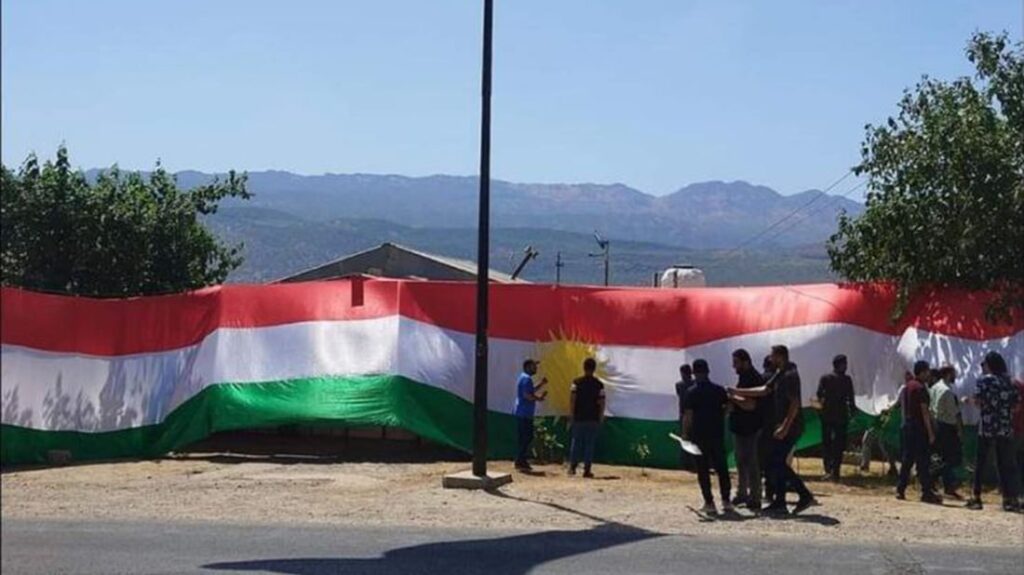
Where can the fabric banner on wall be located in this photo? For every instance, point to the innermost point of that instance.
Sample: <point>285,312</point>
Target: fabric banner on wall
<point>144,376</point>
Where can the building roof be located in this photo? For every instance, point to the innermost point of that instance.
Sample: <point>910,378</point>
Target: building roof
<point>398,261</point>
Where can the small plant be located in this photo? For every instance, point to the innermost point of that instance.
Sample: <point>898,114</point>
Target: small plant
<point>547,448</point>
<point>642,451</point>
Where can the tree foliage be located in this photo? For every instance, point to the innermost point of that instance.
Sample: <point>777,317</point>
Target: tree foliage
<point>124,235</point>
<point>945,205</point>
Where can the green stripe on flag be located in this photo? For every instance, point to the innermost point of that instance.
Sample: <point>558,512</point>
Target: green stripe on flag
<point>430,412</point>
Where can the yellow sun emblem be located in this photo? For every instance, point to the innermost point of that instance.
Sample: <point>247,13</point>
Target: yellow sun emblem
<point>561,361</point>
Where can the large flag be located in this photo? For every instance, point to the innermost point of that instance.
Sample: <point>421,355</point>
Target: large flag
<point>145,376</point>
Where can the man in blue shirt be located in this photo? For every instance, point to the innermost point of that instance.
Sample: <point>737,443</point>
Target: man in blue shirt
<point>527,396</point>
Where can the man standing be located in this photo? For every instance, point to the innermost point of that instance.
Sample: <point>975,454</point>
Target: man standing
<point>527,396</point>
<point>916,434</point>
<point>785,390</point>
<point>745,422</point>
<point>764,448</point>
<point>836,404</point>
<point>586,414</point>
<point>682,387</point>
<point>704,423</point>
<point>996,396</point>
<point>945,408</point>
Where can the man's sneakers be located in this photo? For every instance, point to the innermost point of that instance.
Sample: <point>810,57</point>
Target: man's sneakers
<point>572,470</point>
<point>775,510</point>
<point>930,497</point>
<point>804,504</point>
<point>901,495</point>
<point>709,509</point>
<point>587,474</point>
<point>523,466</point>
<point>728,508</point>
<point>1011,506</point>
<point>974,504</point>
<point>740,501</point>
<point>952,494</point>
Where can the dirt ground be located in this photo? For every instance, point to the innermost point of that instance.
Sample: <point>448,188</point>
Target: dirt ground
<point>269,490</point>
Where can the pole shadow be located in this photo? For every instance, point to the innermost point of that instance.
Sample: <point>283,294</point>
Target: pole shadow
<point>510,555</point>
<point>514,555</point>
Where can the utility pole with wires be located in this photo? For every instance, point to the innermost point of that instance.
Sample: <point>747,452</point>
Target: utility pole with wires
<point>604,245</point>
<point>559,264</point>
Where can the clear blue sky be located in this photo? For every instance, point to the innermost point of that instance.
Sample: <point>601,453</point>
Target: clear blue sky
<point>653,94</point>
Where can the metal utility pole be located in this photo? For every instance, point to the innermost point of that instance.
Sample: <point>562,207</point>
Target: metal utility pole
<point>483,264</point>
<point>558,268</point>
<point>528,254</point>
<point>604,245</point>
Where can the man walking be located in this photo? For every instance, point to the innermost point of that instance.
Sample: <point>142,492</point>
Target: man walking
<point>945,408</point>
<point>682,388</point>
<point>746,422</point>
<point>704,423</point>
<point>527,396</point>
<point>784,388</point>
<point>916,434</point>
<point>836,404</point>
<point>586,413</point>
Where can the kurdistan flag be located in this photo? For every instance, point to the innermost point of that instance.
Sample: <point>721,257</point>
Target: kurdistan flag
<point>144,376</point>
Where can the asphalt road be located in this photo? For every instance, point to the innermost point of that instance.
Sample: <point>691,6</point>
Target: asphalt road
<point>152,547</point>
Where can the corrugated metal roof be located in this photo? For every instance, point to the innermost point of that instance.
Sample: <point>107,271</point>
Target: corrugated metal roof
<point>464,266</point>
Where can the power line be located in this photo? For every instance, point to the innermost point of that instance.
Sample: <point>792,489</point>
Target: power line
<point>804,217</point>
<point>782,220</point>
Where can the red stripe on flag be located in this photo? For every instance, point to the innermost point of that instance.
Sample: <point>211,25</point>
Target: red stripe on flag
<point>622,316</point>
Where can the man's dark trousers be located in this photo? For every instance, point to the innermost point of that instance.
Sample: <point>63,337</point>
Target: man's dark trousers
<point>833,444</point>
<point>781,475</point>
<point>713,456</point>
<point>915,454</point>
<point>525,439</point>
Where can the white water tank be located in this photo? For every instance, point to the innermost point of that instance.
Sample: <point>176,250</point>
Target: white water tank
<point>679,276</point>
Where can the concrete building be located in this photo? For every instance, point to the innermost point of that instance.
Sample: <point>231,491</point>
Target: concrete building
<point>390,260</point>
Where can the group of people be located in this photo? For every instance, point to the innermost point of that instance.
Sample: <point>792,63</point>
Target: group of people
<point>933,424</point>
<point>765,418</point>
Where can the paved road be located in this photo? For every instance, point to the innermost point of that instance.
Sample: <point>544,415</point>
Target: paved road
<point>153,547</point>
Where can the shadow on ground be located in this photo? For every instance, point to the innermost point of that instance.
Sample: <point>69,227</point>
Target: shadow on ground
<point>511,555</point>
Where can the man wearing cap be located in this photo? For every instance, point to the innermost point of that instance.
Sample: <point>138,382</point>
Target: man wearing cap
<point>836,405</point>
<point>527,396</point>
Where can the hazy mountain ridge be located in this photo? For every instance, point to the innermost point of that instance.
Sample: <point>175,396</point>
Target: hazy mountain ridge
<point>278,244</point>
<point>703,215</point>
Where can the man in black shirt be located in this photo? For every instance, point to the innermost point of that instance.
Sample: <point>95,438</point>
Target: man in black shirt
<point>682,387</point>
<point>745,424</point>
<point>836,405</point>
<point>784,388</point>
<point>586,413</point>
<point>764,447</point>
<point>704,423</point>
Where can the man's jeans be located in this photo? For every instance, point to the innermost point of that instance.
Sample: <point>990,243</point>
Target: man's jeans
<point>525,439</point>
<point>748,467</point>
<point>584,440</point>
<point>916,453</point>
<point>1005,464</point>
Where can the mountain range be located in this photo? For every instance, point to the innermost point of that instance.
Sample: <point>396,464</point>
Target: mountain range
<point>294,222</point>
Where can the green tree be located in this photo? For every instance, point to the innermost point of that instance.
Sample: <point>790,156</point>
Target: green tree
<point>945,205</point>
<point>124,235</point>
